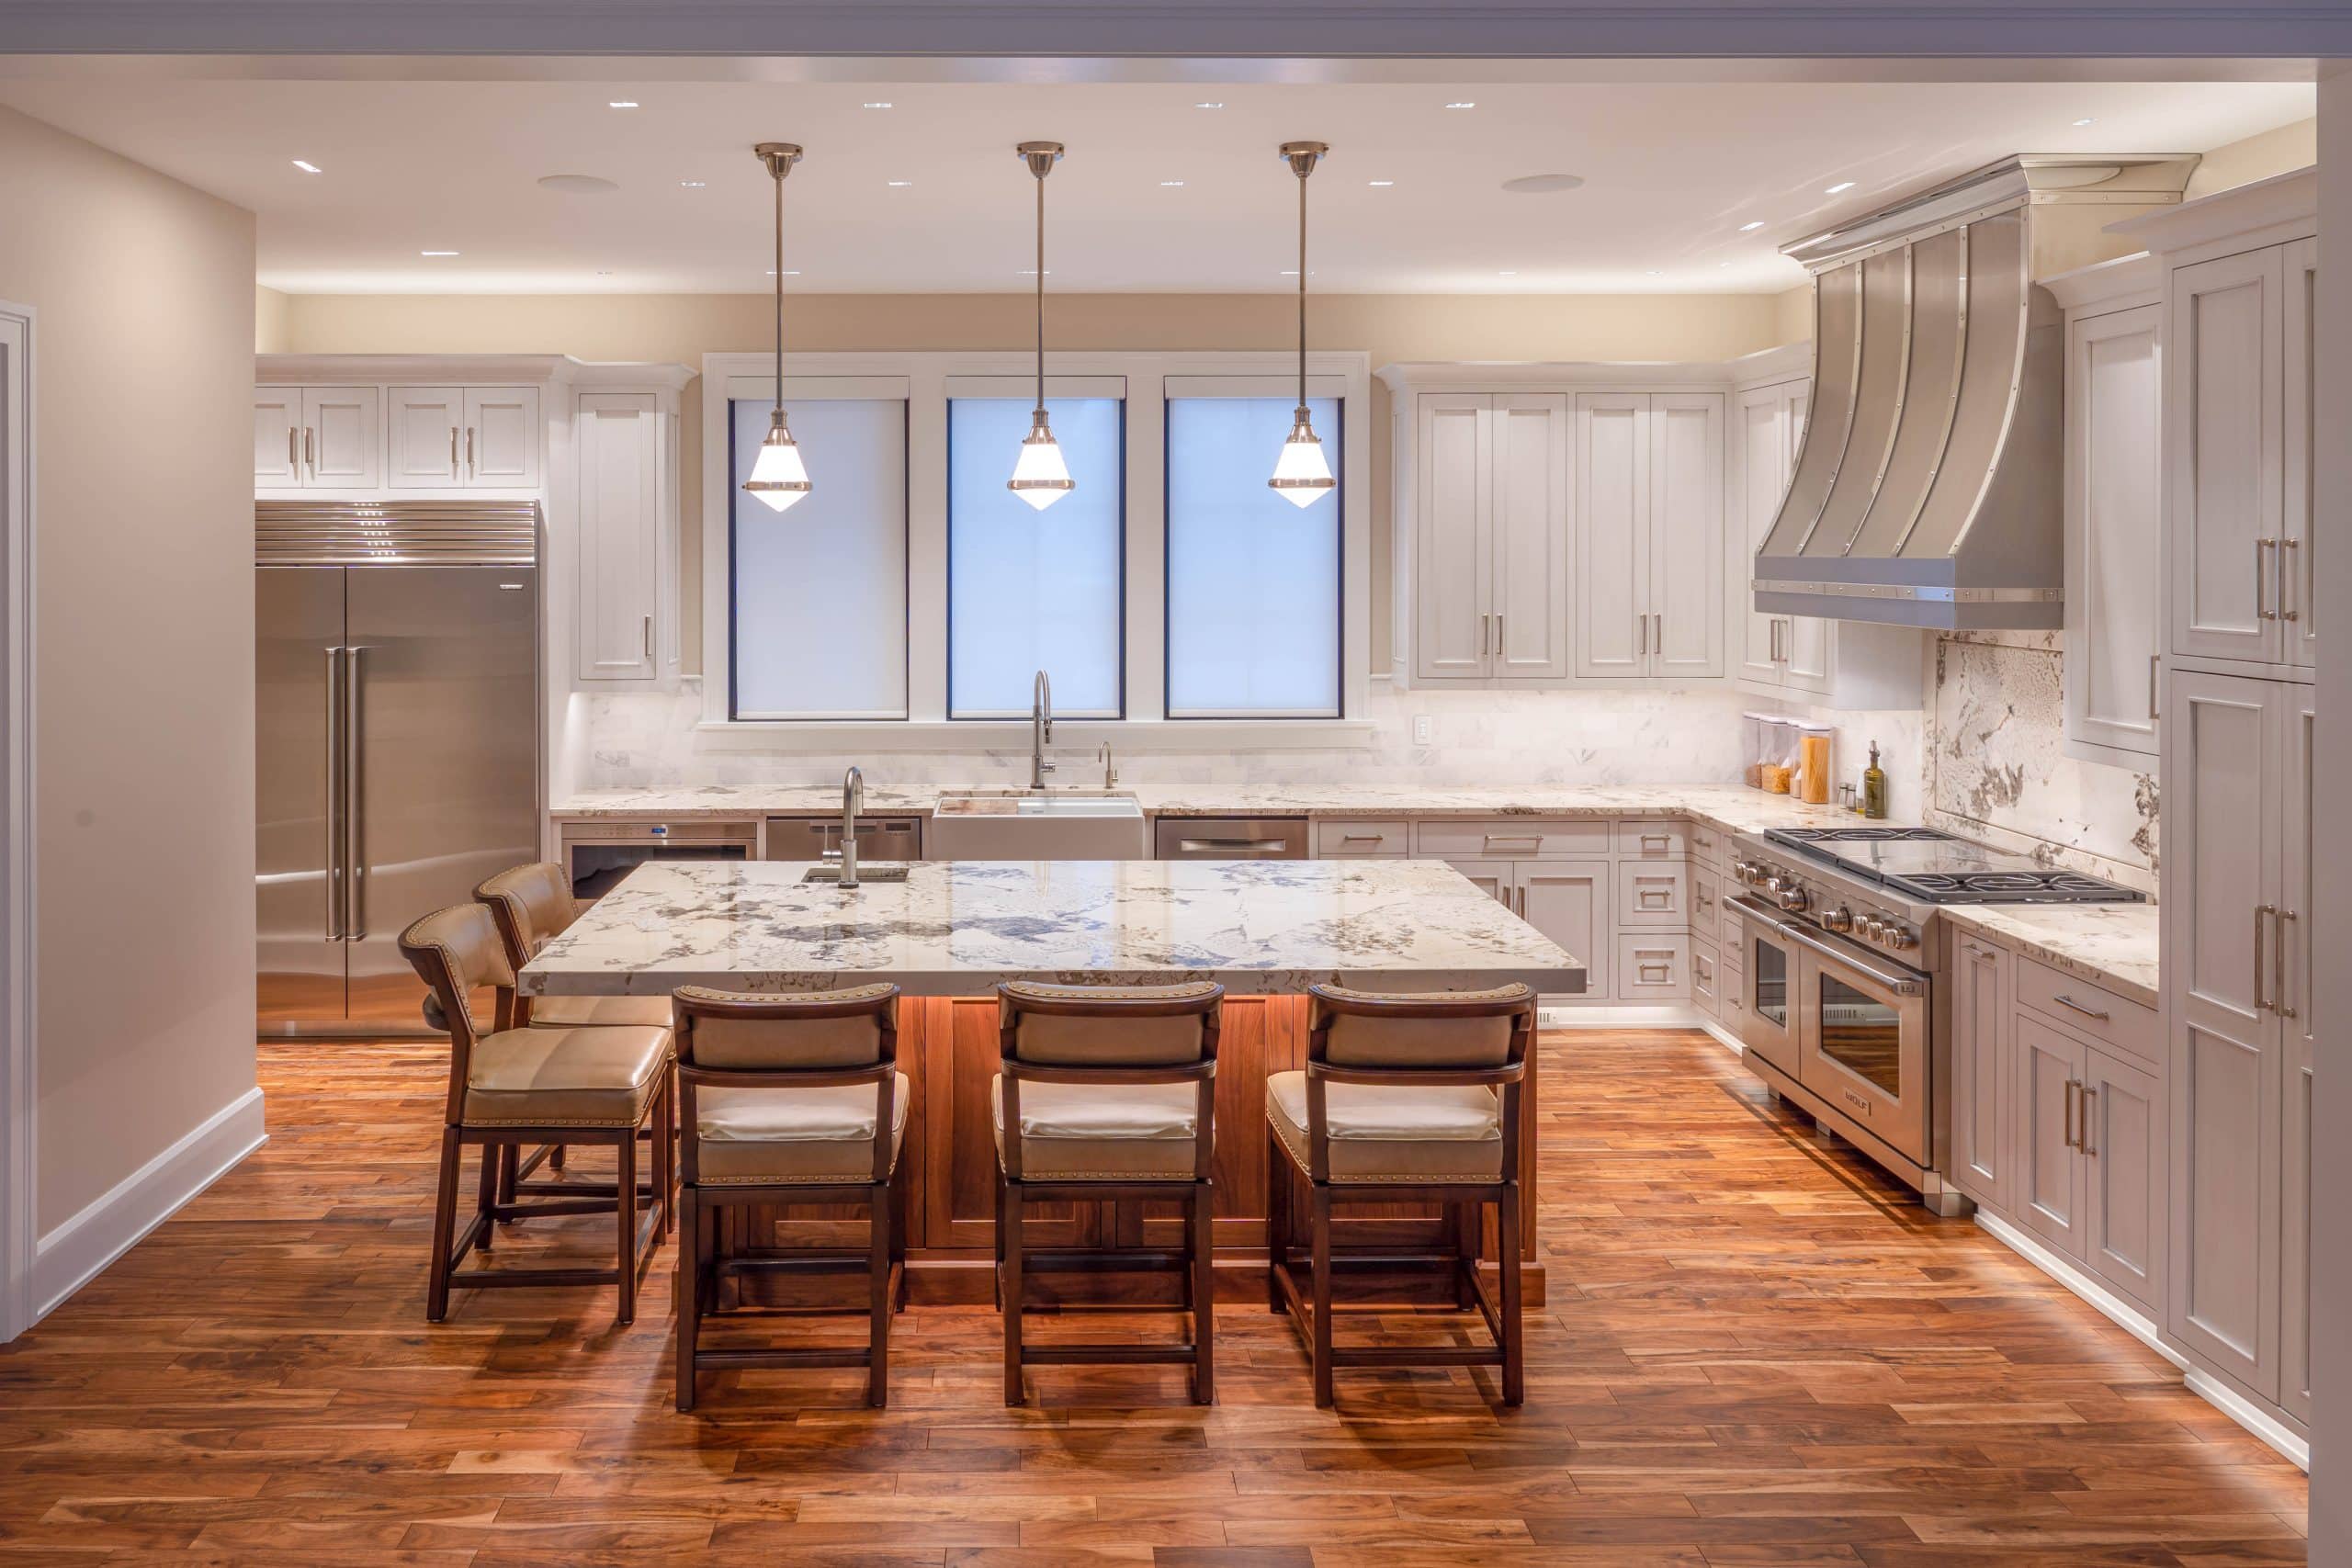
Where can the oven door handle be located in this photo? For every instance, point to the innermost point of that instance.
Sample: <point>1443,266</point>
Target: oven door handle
<point>1901,982</point>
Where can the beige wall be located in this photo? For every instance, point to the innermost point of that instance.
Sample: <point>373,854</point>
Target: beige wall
<point>2258,157</point>
<point>271,328</point>
<point>683,327</point>
<point>143,743</point>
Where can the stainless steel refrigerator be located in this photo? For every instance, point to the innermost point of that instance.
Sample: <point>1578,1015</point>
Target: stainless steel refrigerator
<point>396,666</point>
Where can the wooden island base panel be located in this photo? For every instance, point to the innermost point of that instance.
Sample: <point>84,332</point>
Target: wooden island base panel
<point>951,930</point>
<point>949,1049</point>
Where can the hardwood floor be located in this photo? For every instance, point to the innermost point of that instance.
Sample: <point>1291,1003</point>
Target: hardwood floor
<point>1753,1352</point>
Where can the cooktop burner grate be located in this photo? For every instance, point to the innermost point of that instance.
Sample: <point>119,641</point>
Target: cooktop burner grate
<point>2012,887</point>
<point>1860,835</point>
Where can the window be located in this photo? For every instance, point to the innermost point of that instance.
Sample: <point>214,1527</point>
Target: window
<point>1253,581</point>
<point>1029,589</point>
<point>818,601</point>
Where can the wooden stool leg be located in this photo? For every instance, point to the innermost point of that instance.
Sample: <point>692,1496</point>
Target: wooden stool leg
<point>510,1160</point>
<point>898,1210</point>
<point>445,1227</point>
<point>555,1159</point>
<point>1514,1338</point>
<point>1469,1233</point>
<point>486,1193</point>
<point>1322,1263</point>
<point>690,1261</point>
<point>625,1208</point>
<point>1203,1293</point>
<point>1008,1222</point>
<point>878,1267</point>
<point>1277,1221</point>
<point>665,1156</point>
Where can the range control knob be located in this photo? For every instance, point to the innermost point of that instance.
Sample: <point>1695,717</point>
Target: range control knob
<point>1841,919</point>
<point>1792,898</point>
<point>1745,871</point>
<point>1901,940</point>
<point>1873,927</point>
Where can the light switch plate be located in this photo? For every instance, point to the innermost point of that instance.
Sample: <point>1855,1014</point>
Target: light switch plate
<point>1423,730</point>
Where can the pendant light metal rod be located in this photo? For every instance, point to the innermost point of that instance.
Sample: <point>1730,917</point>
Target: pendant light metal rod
<point>1041,297</point>
<point>779,157</point>
<point>1303,156</point>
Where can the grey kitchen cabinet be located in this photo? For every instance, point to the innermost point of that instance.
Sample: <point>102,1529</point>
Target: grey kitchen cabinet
<point>2114,532</point>
<point>1568,901</point>
<point>2121,1136</point>
<point>1490,536</point>
<point>2048,1081</point>
<point>1983,1030</point>
<point>2299,1029</point>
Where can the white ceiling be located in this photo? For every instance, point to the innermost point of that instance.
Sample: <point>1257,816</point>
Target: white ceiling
<point>1671,172</point>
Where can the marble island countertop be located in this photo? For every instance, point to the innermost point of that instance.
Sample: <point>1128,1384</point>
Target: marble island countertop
<point>954,927</point>
<point>2111,944</point>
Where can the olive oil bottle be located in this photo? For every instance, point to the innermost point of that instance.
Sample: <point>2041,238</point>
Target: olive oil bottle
<point>1874,786</point>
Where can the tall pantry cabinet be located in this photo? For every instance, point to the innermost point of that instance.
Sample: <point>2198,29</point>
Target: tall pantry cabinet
<point>2239,621</point>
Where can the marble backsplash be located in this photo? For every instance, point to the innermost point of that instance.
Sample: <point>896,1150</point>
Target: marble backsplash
<point>1997,769</point>
<point>1592,736</point>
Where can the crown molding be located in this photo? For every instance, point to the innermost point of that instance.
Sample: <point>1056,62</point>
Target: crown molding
<point>1405,378</point>
<point>2283,201</point>
<point>479,369</point>
<point>2135,279</point>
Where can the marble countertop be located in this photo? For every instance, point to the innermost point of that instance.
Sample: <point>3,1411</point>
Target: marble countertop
<point>954,927</point>
<point>2112,944</point>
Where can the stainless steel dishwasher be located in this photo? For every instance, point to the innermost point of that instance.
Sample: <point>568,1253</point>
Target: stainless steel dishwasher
<point>882,837</point>
<point>1231,838</point>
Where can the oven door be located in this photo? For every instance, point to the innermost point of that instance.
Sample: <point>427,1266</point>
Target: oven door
<point>1771,987</point>
<point>1864,1035</point>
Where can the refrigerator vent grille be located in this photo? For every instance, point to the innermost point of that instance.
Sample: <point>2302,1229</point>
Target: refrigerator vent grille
<point>396,532</point>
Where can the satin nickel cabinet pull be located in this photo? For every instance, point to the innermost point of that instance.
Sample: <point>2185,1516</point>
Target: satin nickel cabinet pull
<point>2286,576</point>
<point>2262,609</point>
<point>1658,631</point>
<point>1486,634</point>
<point>2073,1006</point>
<point>2279,962</point>
<point>1498,634</point>
<point>649,640</point>
<point>2073,1103</point>
<point>469,452</point>
<point>2262,912</point>
<point>453,451</point>
<point>1642,630</point>
<point>294,449</point>
<point>2156,665</point>
<point>2083,1133</point>
<point>311,449</point>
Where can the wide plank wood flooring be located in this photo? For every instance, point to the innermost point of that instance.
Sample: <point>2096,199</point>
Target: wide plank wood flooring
<point>1755,1352</point>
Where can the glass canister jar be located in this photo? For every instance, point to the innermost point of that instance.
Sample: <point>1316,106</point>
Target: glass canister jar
<point>1781,757</point>
<point>1755,746</point>
<point>1812,783</point>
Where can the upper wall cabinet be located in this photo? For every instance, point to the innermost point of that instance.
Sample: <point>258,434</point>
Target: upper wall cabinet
<point>2239,272</point>
<point>2114,507</point>
<point>623,527</point>
<point>317,438</point>
<point>1649,596</point>
<point>1490,542</point>
<point>464,438</point>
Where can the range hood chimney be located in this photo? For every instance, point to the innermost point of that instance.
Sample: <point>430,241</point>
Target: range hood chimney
<point>1929,491</point>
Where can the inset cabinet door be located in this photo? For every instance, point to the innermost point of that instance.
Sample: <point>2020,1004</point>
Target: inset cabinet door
<point>427,425</point>
<point>1530,444</point>
<point>1759,438</point>
<point>1612,530</point>
<point>2122,1134</point>
<point>1568,902</point>
<point>1982,1054</point>
<point>1685,597</point>
<point>502,443</point>
<point>343,438</point>
<point>2299,1032</point>
<point>2298,542</point>
<point>2114,532</point>
<point>618,441</point>
<point>2222,454</point>
<point>1453,565</point>
<point>2047,1086</point>
<point>1492,877</point>
<point>278,437</point>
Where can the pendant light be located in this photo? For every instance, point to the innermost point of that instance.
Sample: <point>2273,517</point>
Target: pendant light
<point>779,477</point>
<point>1040,477</point>
<point>1302,474</point>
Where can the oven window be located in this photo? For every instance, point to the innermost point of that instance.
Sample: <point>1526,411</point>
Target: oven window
<point>1770,966</point>
<point>1862,1034</point>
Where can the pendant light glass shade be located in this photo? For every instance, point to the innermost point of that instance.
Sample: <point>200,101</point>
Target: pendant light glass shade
<point>1302,473</point>
<point>779,476</point>
<point>1040,477</point>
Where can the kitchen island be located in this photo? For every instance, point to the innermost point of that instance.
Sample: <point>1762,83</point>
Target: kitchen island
<point>949,931</point>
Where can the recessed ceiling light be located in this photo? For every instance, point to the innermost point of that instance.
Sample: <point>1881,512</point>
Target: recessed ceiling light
<point>1463,104</point>
<point>436,252</point>
<point>604,272</point>
<point>577,185</point>
<point>788,272</point>
<point>1166,185</point>
<point>693,185</point>
<point>1751,228</point>
<point>1841,185</point>
<point>1381,182</point>
<point>1653,272</point>
<point>1293,272</point>
<point>622,104</point>
<point>1723,264</point>
<point>897,185</point>
<point>877,104</point>
<point>2085,120</point>
<point>307,166</point>
<point>1213,105</point>
<point>1031,272</point>
<point>1542,185</point>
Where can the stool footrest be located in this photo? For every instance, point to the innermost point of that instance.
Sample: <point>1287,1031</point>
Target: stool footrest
<point>1107,1355</point>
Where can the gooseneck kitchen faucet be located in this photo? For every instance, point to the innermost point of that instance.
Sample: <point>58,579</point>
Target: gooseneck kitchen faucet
<point>853,802</point>
<point>1041,728</point>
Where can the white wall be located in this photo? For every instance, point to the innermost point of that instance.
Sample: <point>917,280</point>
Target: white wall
<point>144,736</point>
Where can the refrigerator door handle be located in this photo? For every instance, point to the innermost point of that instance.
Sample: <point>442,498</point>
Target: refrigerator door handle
<point>333,862</point>
<point>354,920</point>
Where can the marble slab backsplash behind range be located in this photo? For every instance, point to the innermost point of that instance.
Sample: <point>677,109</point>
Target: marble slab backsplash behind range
<point>1997,770</point>
<point>1598,737</point>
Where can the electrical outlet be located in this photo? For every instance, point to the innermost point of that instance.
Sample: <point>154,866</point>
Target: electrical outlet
<point>1423,730</point>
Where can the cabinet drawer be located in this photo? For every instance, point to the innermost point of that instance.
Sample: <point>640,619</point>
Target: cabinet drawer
<point>1334,841</point>
<point>1667,838</point>
<point>1709,843</point>
<point>1706,899</point>
<point>1654,895</point>
<point>1521,838</point>
<point>2114,1022</point>
<point>1653,968</point>
<point>1706,978</point>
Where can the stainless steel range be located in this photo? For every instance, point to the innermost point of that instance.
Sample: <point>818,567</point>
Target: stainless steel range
<point>1841,1009</point>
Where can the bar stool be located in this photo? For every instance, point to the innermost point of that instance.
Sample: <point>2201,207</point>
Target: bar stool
<point>532,904</point>
<point>1398,1103</point>
<point>513,1087</point>
<point>1108,1092</point>
<point>790,1099</point>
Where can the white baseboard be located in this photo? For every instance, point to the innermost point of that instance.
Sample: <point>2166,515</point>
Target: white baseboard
<point>2137,1323</point>
<point>72,1255</point>
<point>1654,1015</point>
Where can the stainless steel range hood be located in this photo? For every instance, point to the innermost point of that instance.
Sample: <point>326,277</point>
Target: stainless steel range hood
<point>1929,487</point>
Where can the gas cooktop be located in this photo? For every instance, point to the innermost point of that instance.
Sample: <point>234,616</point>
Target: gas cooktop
<point>1937,868</point>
